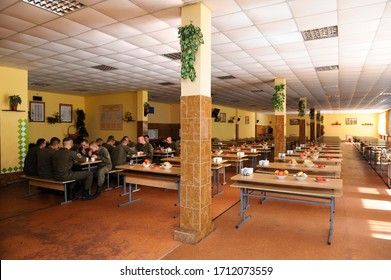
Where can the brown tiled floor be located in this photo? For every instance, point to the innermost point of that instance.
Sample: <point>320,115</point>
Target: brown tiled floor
<point>37,227</point>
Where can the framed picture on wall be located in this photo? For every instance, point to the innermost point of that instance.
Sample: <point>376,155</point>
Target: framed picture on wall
<point>66,113</point>
<point>247,120</point>
<point>294,121</point>
<point>223,117</point>
<point>350,121</point>
<point>37,111</point>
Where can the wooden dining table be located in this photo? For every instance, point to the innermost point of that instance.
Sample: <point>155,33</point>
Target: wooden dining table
<point>266,186</point>
<point>335,161</point>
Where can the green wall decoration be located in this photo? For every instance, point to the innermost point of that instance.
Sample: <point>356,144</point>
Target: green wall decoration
<point>22,148</point>
<point>301,108</point>
<point>312,113</point>
<point>279,97</point>
<point>191,38</point>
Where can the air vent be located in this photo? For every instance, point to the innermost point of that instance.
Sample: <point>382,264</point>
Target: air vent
<point>166,84</point>
<point>258,90</point>
<point>327,68</point>
<point>37,84</point>
<point>103,67</point>
<point>173,56</point>
<point>79,90</point>
<point>59,7</point>
<point>229,77</point>
<point>320,33</point>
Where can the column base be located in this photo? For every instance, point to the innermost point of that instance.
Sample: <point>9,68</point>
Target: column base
<point>189,236</point>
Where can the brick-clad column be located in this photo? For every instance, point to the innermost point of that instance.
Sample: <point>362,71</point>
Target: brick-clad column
<point>280,124</point>
<point>312,128</point>
<point>196,131</point>
<point>302,124</point>
<point>142,121</point>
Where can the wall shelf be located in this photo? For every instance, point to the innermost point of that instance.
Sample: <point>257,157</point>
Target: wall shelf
<point>367,124</point>
<point>335,124</point>
<point>13,110</point>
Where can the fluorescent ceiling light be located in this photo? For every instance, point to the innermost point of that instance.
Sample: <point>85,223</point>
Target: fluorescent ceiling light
<point>320,33</point>
<point>59,7</point>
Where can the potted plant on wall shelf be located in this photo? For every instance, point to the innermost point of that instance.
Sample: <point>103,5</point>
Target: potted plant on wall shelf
<point>146,109</point>
<point>14,100</point>
<point>128,117</point>
<point>55,118</point>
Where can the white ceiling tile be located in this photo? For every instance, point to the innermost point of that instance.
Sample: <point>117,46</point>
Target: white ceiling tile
<point>91,18</point>
<point>119,9</point>
<point>66,26</point>
<point>153,6</point>
<point>27,39</point>
<point>301,8</point>
<point>347,4</point>
<point>95,38</point>
<point>358,27</point>
<point>160,49</point>
<point>13,23</point>
<point>143,41</point>
<point>119,46</point>
<point>268,14</point>
<point>279,27</point>
<point>322,43</point>
<point>13,45</point>
<point>6,3</point>
<point>45,33</point>
<point>225,48</point>
<point>66,58</point>
<point>140,53</point>
<point>261,51</point>
<point>29,13</point>
<point>361,13</point>
<point>251,4</point>
<point>170,16</point>
<point>4,32</point>
<point>286,38</point>
<point>81,54</point>
<point>253,43</point>
<point>120,30</point>
<point>235,55</point>
<point>4,52</point>
<point>166,35</point>
<point>220,38</point>
<point>147,23</point>
<point>231,21</point>
<point>317,21</point>
<point>62,46</point>
<point>243,33</point>
<point>219,8</point>
<point>100,51</point>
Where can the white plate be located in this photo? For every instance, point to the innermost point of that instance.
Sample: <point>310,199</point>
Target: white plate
<point>327,180</point>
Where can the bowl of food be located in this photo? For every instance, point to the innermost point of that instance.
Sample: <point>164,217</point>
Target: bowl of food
<point>314,156</point>
<point>146,163</point>
<point>293,162</point>
<point>300,176</point>
<point>281,174</point>
<point>247,171</point>
<point>303,155</point>
<point>308,163</point>
<point>166,165</point>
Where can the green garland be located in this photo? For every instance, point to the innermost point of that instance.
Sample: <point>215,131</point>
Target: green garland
<point>191,38</point>
<point>278,97</point>
<point>301,108</point>
<point>312,113</point>
<point>55,118</point>
<point>318,117</point>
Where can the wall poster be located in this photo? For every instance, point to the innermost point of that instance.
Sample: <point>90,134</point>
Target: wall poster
<point>111,117</point>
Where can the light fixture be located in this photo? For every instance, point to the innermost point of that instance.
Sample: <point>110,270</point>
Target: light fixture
<point>238,119</point>
<point>229,77</point>
<point>173,56</point>
<point>327,68</point>
<point>59,7</point>
<point>103,67</point>
<point>320,33</point>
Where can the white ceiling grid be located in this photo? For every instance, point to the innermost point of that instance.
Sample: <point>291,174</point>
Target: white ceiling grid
<point>254,41</point>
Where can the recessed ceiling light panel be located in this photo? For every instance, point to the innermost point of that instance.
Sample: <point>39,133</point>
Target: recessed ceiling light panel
<point>59,7</point>
<point>327,68</point>
<point>320,33</point>
<point>173,56</point>
<point>229,77</point>
<point>103,67</point>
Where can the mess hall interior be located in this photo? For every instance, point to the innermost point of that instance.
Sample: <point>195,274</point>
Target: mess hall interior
<point>184,130</point>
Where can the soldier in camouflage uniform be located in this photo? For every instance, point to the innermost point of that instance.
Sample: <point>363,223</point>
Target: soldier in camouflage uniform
<point>104,167</point>
<point>44,159</point>
<point>63,161</point>
<point>145,147</point>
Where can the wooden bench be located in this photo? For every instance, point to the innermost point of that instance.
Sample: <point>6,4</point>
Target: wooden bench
<point>49,184</point>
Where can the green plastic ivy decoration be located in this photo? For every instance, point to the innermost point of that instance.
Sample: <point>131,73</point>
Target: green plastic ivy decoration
<point>312,113</point>
<point>191,38</point>
<point>318,116</point>
<point>301,108</point>
<point>278,97</point>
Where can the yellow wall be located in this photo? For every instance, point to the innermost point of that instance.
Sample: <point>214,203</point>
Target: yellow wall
<point>12,82</point>
<point>224,131</point>
<point>246,130</point>
<point>52,105</point>
<point>293,130</point>
<point>164,113</point>
<point>343,129</point>
<point>129,103</point>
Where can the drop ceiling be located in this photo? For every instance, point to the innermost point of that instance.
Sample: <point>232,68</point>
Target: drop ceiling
<point>254,41</point>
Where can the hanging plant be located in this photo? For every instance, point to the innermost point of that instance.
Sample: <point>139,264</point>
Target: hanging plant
<point>55,118</point>
<point>301,108</point>
<point>279,97</point>
<point>312,113</point>
<point>321,119</point>
<point>191,38</point>
<point>128,117</point>
<point>146,109</point>
<point>318,116</point>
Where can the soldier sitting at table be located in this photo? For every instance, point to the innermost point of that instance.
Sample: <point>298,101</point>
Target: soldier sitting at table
<point>110,144</point>
<point>44,159</point>
<point>146,138</point>
<point>145,147</point>
<point>171,144</point>
<point>30,161</point>
<point>121,152</point>
<point>63,161</point>
<point>104,167</point>
<point>99,141</point>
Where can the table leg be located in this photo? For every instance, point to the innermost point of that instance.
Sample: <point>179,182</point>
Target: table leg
<point>224,179</point>
<point>332,209</point>
<point>244,204</point>
<point>216,172</point>
<point>65,195</point>
<point>129,193</point>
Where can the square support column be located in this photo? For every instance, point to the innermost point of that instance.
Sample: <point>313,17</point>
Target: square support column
<point>302,123</point>
<point>142,121</point>
<point>280,122</point>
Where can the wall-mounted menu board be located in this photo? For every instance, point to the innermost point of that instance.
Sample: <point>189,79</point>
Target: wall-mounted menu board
<point>111,117</point>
